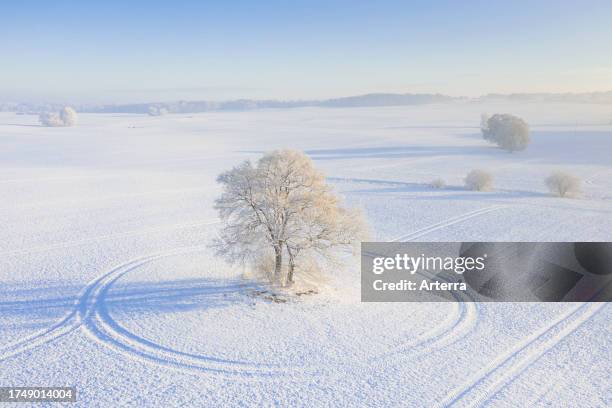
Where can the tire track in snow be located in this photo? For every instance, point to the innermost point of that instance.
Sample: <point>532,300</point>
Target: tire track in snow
<point>95,318</point>
<point>457,326</point>
<point>527,351</point>
<point>102,327</point>
<point>463,320</point>
<point>467,309</point>
<point>64,326</point>
<point>487,382</point>
<point>57,330</point>
<point>108,237</point>
<point>455,220</point>
<point>70,322</point>
<point>91,313</point>
<point>465,314</point>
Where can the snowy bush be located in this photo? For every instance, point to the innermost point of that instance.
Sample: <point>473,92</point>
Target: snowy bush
<point>563,184</point>
<point>66,117</point>
<point>281,217</point>
<point>69,116</point>
<point>507,131</point>
<point>50,119</point>
<point>479,180</point>
<point>157,110</point>
<point>438,183</point>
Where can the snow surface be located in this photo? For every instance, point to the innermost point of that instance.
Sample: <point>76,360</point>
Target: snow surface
<point>106,281</point>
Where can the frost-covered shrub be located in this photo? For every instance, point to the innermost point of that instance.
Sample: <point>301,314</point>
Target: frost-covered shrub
<point>66,117</point>
<point>479,180</point>
<point>50,119</point>
<point>507,131</point>
<point>69,116</point>
<point>438,183</point>
<point>157,110</point>
<point>563,184</point>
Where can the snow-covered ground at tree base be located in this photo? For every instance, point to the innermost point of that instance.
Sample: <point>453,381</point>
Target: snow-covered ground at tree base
<point>107,282</point>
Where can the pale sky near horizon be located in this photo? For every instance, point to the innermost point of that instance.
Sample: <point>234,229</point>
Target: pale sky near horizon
<point>133,51</point>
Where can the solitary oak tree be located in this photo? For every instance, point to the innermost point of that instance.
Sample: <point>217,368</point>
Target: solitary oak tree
<point>282,206</point>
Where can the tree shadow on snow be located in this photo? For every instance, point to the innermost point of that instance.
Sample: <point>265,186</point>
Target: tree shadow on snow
<point>37,307</point>
<point>385,186</point>
<point>462,194</point>
<point>558,147</point>
<point>399,152</point>
<point>446,193</point>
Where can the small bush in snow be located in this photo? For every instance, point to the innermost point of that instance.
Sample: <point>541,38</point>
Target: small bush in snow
<point>50,119</point>
<point>69,116</point>
<point>66,117</point>
<point>438,183</point>
<point>507,131</point>
<point>157,110</point>
<point>479,180</point>
<point>563,184</point>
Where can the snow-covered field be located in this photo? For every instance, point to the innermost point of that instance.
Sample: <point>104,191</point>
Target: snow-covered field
<point>106,281</point>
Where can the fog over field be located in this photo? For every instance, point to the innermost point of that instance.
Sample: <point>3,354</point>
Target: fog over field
<point>108,281</point>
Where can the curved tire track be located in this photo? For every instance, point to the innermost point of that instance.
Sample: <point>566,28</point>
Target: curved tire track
<point>70,322</point>
<point>67,324</point>
<point>57,330</point>
<point>466,313</point>
<point>94,315</point>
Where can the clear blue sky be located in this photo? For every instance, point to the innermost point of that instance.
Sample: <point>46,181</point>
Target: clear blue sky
<point>131,51</point>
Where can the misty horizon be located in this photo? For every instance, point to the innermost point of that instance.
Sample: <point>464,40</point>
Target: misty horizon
<point>364,100</point>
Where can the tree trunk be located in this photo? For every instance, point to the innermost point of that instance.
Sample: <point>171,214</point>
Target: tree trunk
<point>290,273</point>
<point>291,266</point>
<point>278,262</point>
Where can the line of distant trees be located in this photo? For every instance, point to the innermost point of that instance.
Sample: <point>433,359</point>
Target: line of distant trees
<point>368,100</point>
